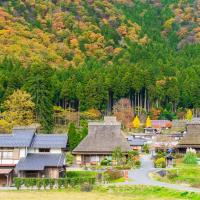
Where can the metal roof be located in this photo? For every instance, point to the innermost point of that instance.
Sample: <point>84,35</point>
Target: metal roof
<point>26,137</point>
<point>49,141</point>
<point>19,138</point>
<point>37,162</point>
<point>136,141</point>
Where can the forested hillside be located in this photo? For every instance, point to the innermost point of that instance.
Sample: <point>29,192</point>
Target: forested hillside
<point>90,53</point>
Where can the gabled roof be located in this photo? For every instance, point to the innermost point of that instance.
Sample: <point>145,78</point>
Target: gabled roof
<point>136,141</point>
<point>26,137</point>
<point>49,141</point>
<point>37,162</point>
<point>103,138</point>
<point>21,137</point>
<point>192,138</point>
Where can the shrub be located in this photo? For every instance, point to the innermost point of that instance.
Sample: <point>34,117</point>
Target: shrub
<point>18,182</point>
<point>146,148</point>
<point>160,162</point>
<point>69,158</point>
<point>138,163</point>
<point>86,187</point>
<point>106,162</point>
<point>190,158</point>
<point>45,183</point>
<point>172,174</point>
<point>113,174</point>
<point>61,182</point>
<point>39,183</point>
<point>73,174</point>
<point>123,167</point>
<point>160,154</point>
<point>29,182</point>
<point>118,156</point>
<point>51,183</point>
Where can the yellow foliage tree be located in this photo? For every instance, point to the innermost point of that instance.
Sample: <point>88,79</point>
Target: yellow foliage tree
<point>19,110</point>
<point>136,122</point>
<point>148,122</point>
<point>189,115</point>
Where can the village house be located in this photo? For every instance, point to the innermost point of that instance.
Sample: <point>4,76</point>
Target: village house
<point>24,153</point>
<point>101,141</point>
<point>192,137</point>
<point>161,124</point>
<point>165,141</point>
<point>136,143</point>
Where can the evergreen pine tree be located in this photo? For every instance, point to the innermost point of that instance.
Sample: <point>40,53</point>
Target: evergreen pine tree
<point>39,86</point>
<point>74,137</point>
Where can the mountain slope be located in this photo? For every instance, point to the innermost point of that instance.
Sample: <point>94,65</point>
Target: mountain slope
<point>65,33</point>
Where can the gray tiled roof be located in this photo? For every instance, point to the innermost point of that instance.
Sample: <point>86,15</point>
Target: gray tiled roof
<point>39,161</point>
<point>49,141</point>
<point>19,138</point>
<point>26,137</point>
<point>136,141</point>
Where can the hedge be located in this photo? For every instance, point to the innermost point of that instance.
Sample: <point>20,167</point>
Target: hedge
<point>52,183</point>
<point>72,174</point>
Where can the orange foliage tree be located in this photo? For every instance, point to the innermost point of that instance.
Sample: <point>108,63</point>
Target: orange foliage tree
<point>124,112</point>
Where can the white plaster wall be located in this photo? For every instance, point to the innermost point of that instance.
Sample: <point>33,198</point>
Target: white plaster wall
<point>22,152</point>
<point>7,161</point>
<point>33,150</point>
<point>55,151</point>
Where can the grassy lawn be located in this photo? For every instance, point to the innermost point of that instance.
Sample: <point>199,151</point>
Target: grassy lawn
<point>102,193</point>
<point>183,174</point>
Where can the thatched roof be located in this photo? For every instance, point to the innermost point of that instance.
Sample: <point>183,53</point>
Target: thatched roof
<point>192,138</point>
<point>103,138</point>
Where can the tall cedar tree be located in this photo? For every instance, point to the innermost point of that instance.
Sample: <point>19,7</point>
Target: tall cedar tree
<point>39,85</point>
<point>75,136</point>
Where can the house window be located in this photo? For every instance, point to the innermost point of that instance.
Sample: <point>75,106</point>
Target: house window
<point>44,150</point>
<point>7,154</point>
<point>94,159</point>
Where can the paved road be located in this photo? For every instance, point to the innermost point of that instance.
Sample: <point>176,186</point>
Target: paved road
<point>141,177</point>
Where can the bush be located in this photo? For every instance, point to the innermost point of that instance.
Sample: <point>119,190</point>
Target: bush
<point>61,182</point>
<point>146,148</point>
<point>123,167</point>
<point>160,163</point>
<point>69,158</point>
<point>138,163</point>
<point>106,162</point>
<point>76,174</point>
<point>190,158</point>
<point>113,174</point>
<point>18,183</point>
<point>86,187</point>
<point>172,174</point>
<point>160,154</point>
<point>45,183</point>
<point>39,183</point>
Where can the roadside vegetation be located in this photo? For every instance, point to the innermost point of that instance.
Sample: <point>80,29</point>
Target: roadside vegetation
<point>186,171</point>
<point>103,193</point>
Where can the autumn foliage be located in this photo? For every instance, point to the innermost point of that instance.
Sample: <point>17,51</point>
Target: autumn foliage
<point>124,112</point>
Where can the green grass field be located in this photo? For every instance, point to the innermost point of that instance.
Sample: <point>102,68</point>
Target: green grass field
<point>102,193</point>
<point>183,174</point>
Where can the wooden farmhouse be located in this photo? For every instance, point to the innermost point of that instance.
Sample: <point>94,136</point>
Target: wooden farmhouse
<point>101,141</point>
<point>191,138</point>
<point>24,153</point>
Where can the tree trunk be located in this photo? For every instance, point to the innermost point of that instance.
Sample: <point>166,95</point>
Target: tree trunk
<point>145,99</point>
